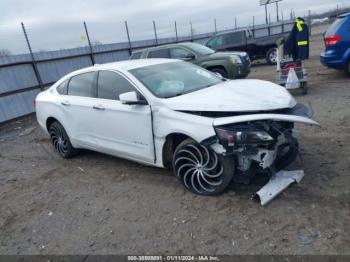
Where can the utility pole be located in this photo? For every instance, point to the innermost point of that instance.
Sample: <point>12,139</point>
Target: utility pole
<point>177,38</point>
<point>266,14</point>
<point>277,12</point>
<point>155,32</point>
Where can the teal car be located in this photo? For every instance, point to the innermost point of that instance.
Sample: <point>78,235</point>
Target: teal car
<point>228,64</point>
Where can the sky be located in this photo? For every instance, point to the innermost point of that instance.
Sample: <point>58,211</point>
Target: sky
<point>57,24</point>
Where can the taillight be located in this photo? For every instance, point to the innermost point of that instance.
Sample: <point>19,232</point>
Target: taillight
<point>332,40</point>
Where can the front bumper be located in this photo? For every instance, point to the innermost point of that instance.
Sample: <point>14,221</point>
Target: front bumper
<point>277,184</point>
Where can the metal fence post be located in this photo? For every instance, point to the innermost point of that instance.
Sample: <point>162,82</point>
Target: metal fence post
<point>253,30</point>
<point>191,31</point>
<point>90,46</point>
<point>35,67</point>
<point>282,22</point>
<point>177,38</point>
<point>278,19</point>
<point>235,22</point>
<point>310,22</point>
<point>215,25</point>
<point>155,32</point>
<point>128,35</point>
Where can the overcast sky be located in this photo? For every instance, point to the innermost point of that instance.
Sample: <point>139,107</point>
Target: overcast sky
<point>54,24</point>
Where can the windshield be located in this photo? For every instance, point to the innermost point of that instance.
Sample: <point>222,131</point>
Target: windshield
<point>174,79</point>
<point>200,49</point>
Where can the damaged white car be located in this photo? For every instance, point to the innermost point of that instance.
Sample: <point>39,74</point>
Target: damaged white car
<point>173,114</point>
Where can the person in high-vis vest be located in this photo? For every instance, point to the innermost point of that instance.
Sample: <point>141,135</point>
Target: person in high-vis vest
<point>297,44</point>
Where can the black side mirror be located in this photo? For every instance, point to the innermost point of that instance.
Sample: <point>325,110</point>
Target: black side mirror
<point>189,58</point>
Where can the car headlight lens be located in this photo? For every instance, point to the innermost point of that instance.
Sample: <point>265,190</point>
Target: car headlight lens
<point>235,59</point>
<point>242,137</point>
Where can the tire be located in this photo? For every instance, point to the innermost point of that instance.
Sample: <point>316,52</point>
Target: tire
<point>60,140</point>
<point>271,56</point>
<point>201,170</point>
<point>221,71</point>
<point>347,68</point>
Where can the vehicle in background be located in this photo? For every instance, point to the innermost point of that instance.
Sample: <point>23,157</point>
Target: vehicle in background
<point>228,64</point>
<point>172,114</point>
<point>243,40</point>
<point>337,42</point>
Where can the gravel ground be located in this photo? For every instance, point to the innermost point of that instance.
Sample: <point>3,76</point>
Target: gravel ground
<point>98,204</point>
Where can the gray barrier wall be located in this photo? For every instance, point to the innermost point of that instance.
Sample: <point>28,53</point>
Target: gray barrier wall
<point>19,84</point>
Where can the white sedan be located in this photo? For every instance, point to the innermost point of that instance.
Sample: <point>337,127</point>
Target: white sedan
<point>172,114</point>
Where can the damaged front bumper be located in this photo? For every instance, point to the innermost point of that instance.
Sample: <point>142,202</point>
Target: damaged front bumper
<point>278,183</point>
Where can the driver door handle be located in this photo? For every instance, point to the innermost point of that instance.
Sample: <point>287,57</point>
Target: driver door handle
<point>65,103</point>
<point>98,107</point>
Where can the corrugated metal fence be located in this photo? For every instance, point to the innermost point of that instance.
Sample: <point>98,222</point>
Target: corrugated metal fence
<point>20,83</point>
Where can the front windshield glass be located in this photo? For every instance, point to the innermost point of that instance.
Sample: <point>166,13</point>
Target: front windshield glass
<point>200,49</point>
<point>175,78</point>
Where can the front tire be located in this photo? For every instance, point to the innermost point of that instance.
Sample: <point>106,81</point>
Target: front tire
<point>60,141</point>
<point>201,170</point>
<point>271,56</point>
<point>221,71</point>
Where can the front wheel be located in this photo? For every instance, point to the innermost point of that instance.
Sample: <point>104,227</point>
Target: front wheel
<point>271,56</point>
<point>220,71</point>
<point>201,170</point>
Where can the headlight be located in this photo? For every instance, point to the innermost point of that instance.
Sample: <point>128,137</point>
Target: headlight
<point>242,137</point>
<point>235,59</point>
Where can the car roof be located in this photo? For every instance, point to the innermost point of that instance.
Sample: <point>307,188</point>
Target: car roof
<point>344,15</point>
<point>133,64</point>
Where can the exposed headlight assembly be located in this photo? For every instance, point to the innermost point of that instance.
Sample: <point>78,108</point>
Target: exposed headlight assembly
<point>235,59</point>
<point>233,138</point>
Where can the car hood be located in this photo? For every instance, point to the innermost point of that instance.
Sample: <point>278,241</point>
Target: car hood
<point>234,96</point>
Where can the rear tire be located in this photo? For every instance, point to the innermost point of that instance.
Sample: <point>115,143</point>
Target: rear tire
<point>271,56</point>
<point>60,140</point>
<point>221,71</point>
<point>201,170</point>
<point>347,68</point>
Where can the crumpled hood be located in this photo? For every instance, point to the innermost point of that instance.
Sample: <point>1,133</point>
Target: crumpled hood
<point>234,96</point>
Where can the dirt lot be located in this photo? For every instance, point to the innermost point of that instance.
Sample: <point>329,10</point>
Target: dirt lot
<point>99,204</point>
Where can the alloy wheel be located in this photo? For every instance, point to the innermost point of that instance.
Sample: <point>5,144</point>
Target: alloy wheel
<point>58,139</point>
<point>198,168</point>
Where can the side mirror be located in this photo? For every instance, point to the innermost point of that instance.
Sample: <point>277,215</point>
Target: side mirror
<point>131,98</point>
<point>189,58</point>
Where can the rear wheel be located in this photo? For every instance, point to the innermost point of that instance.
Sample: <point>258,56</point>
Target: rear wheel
<point>271,56</point>
<point>201,170</point>
<point>60,141</point>
<point>221,71</point>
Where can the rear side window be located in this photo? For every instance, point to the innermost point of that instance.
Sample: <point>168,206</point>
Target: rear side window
<point>332,30</point>
<point>62,89</point>
<point>82,85</point>
<point>234,38</point>
<point>136,55</point>
<point>111,85</point>
<point>216,42</point>
<point>161,53</point>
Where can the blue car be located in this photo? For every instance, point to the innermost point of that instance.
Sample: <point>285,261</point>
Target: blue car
<point>337,42</point>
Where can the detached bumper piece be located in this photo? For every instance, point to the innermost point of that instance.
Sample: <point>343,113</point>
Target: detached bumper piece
<point>278,183</point>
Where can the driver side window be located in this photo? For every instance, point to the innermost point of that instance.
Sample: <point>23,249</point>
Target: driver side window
<point>180,53</point>
<point>110,85</point>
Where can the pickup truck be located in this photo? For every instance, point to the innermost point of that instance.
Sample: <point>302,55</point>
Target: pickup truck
<point>243,40</point>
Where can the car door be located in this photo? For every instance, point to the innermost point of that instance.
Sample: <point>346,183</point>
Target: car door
<point>76,109</point>
<point>120,129</point>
